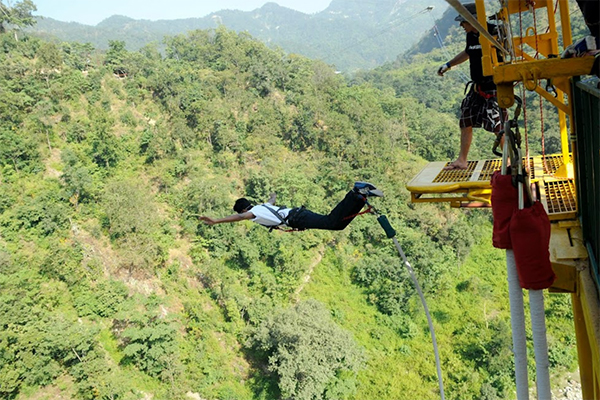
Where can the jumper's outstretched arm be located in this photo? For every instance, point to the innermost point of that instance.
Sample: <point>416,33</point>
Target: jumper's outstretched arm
<point>229,219</point>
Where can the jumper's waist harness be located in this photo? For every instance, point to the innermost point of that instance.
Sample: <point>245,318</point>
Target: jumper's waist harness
<point>287,221</point>
<point>477,88</point>
<point>279,217</point>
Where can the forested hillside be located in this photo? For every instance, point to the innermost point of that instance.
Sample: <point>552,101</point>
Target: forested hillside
<point>349,34</point>
<point>110,288</point>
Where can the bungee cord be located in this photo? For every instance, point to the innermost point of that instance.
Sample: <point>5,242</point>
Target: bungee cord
<point>391,234</point>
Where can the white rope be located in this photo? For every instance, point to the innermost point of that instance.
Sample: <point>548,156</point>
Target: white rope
<point>429,321</point>
<point>515,296</point>
<point>517,323</point>
<point>540,344</point>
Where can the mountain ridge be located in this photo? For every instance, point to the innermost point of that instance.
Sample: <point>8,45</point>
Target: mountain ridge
<point>348,34</point>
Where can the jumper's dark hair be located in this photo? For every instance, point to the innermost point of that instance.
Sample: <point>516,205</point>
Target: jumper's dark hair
<point>241,204</point>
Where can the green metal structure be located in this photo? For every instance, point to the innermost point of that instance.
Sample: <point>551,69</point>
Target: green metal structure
<point>586,96</point>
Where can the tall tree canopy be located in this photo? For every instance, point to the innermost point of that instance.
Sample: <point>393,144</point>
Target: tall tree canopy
<point>18,14</point>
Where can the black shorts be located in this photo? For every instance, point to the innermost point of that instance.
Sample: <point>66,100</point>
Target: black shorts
<point>480,112</point>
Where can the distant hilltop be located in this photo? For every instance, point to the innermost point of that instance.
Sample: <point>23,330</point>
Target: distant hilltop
<point>349,34</point>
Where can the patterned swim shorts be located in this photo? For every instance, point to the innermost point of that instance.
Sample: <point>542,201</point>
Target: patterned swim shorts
<point>482,112</point>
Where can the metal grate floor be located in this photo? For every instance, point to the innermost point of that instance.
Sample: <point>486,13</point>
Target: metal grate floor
<point>560,197</point>
<point>485,175</point>
<point>456,175</point>
<point>489,168</point>
<point>471,187</point>
<point>552,163</point>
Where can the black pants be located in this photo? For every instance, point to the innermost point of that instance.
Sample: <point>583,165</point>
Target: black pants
<point>591,14</point>
<point>336,220</point>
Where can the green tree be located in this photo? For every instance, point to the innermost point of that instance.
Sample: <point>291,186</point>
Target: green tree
<point>97,378</point>
<point>105,147</point>
<point>17,151</point>
<point>131,219</point>
<point>115,56</point>
<point>148,342</point>
<point>129,208</point>
<point>78,181</point>
<point>103,298</point>
<point>311,355</point>
<point>50,56</point>
<point>18,15</point>
<point>39,214</point>
<point>77,55</point>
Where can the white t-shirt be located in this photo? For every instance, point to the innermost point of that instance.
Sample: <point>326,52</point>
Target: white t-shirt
<point>266,217</point>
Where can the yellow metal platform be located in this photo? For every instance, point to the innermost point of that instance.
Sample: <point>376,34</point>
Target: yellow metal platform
<point>471,187</point>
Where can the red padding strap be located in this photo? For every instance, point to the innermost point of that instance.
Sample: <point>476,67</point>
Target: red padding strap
<point>530,235</point>
<point>368,210</point>
<point>483,94</point>
<point>504,203</point>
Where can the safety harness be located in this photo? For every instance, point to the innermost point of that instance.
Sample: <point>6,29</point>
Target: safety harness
<point>476,87</point>
<point>284,221</point>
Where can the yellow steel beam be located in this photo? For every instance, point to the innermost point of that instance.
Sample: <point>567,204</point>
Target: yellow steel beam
<point>544,44</point>
<point>587,329</point>
<point>554,100</point>
<point>567,170</point>
<point>565,21</point>
<point>531,72</point>
<point>542,69</point>
<point>486,46</point>
<point>584,349</point>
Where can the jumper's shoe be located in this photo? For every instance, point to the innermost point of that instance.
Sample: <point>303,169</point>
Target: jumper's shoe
<point>580,48</point>
<point>367,189</point>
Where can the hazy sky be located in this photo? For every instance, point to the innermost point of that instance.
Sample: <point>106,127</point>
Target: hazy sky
<point>93,11</point>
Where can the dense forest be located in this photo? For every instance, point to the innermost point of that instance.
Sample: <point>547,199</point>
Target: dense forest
<point>110,288</point>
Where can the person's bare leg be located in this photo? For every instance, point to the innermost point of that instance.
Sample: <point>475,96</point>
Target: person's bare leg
<point>466,136</point>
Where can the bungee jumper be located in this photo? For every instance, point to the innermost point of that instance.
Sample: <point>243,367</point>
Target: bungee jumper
<point>300,218</point>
